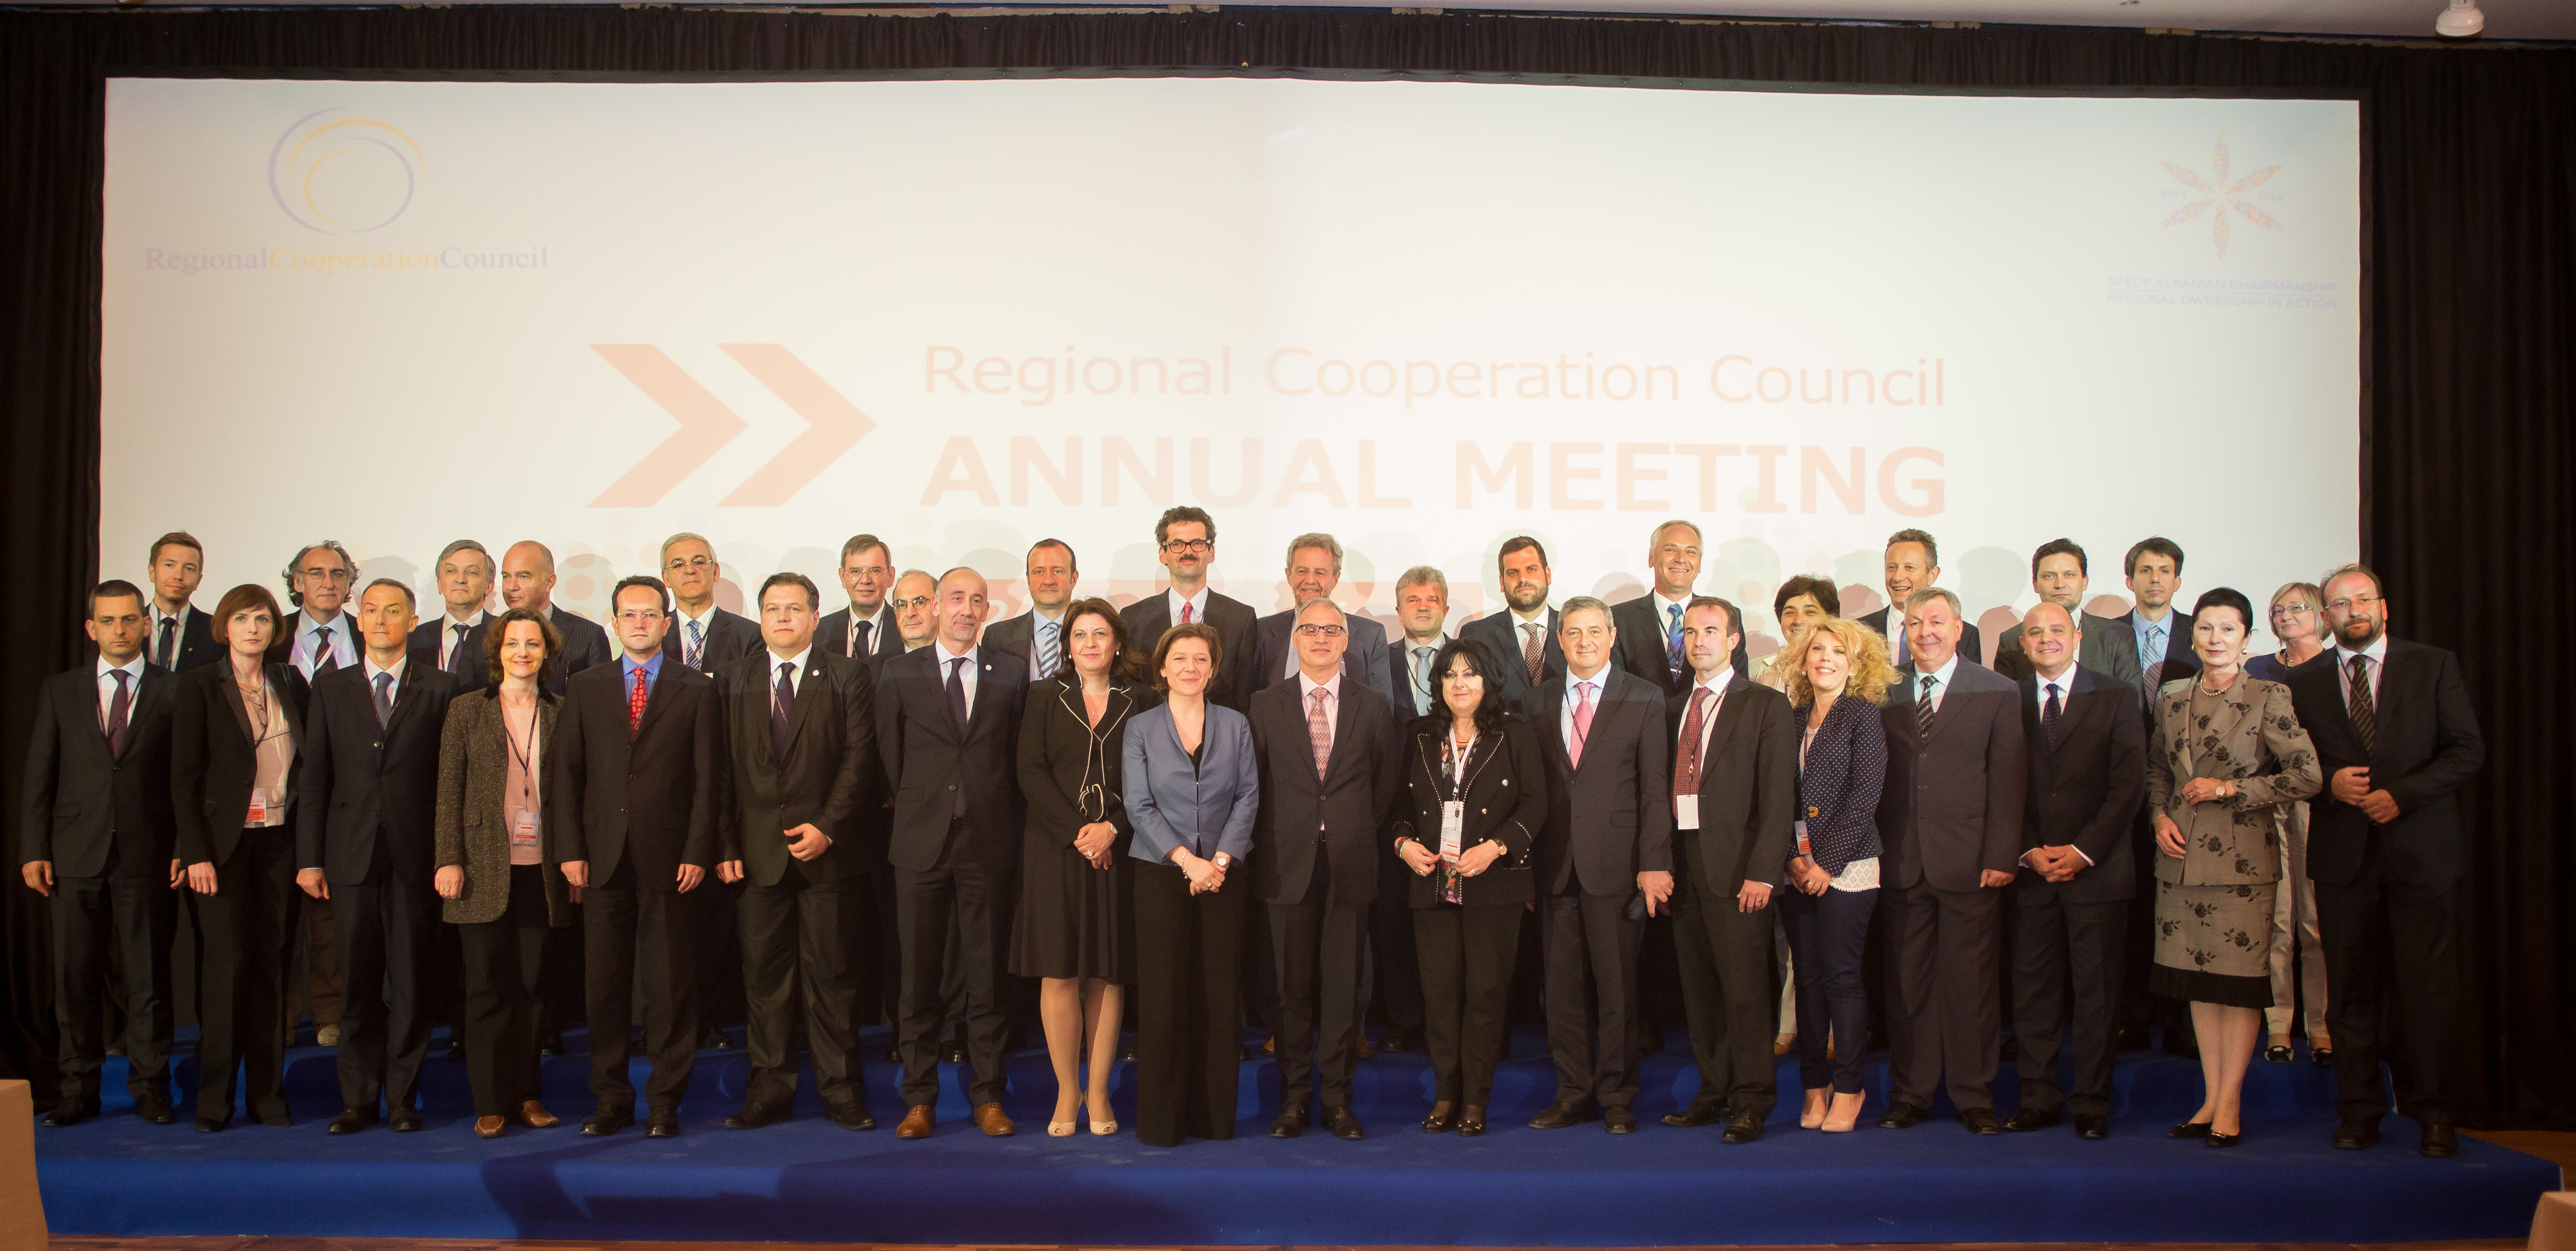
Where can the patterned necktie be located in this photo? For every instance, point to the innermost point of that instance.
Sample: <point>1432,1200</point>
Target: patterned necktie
<point>782,701</point>
<point>2048,719</point>
<point>1046,649</point>
<point>2365,713</point>
<point>2155,667</point>
<point>456,650</point>
<point>1673,643</point>
<point>1319,731</point>
<point>119,707</point>
<point>859,631</point>
<point>697,650</point>
<point>1185,612</point>
<point>1533,651</point>
<point>1422,677</point>
<point>324,660</point>
<point>1582,723</point>
<point>1686,758</point>
<point>169,638</point>
<point>1923,708</point>
<point>384,699</point>
<point>635,704</point>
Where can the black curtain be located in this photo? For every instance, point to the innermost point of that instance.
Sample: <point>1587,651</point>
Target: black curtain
<point>2470,359</point>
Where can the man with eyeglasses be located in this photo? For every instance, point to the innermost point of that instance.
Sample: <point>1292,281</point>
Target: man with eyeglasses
<point>1185,541</point>
<point>1327,749</point>
<point>914,624</point>
<point>703,635</point>
<point>2396,737</point>
<point>866,627</point>
<point>452,642</point>
<point>317,637</point>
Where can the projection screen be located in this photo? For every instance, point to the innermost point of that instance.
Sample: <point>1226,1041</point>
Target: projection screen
<point>1421,315</point>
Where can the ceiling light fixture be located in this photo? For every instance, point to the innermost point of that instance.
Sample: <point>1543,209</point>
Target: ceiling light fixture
<point>2460,21</point>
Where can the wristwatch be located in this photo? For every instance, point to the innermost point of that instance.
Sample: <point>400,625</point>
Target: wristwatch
<point>1224,861</point>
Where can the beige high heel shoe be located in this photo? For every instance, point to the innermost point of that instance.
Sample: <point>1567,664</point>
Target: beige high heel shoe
<point>1101,1128</point>
<point>1845,1115</point>
<point>1812,1113</point>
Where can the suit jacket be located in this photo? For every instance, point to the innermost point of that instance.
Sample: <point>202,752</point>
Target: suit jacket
<point>361,779</point>
<point>1018,636</point>
<point>1748,789</point>
<point>929,762</point>
<point>1499,630</point>
<point>1953,803</point>
<point>82,801</point>
<point>1348,803</point>
<point>1399,676</point>
<point>1641,645</point>
<point>647,794</point>
<point>1504,800</point>
<point>1237,674</point>
<point>1208,805</point>
<point>2180,660</point>
<point>824,779</point>
<point>214,757</point>
<point>1364,658</point>
<point>197,645</point>
<point>282,650</point>
<point>473,808</point>
<point>2084,792</point>
<point>1623,789</point>
<point>1072,772</point>
<point>730,637</point>
<point>2110,648</point>
<point>2427,744</point>
<point>1972,648</point>
<point>833,635</point>
<point>2255,729</point>
<point>585,646</point>
<point>426,643</point>
<point>1840,783</point>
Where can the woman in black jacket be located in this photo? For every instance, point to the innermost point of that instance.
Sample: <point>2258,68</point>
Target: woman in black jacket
<point>234,728</point>
<point>1834,691</point>
<point>1475,794</point>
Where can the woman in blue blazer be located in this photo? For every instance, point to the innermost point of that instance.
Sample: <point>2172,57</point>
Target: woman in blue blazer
<point>1192,790</point>
<point>1835,690</point>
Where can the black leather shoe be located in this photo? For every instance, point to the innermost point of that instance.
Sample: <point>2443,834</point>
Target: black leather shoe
<point>851,1115</point>
<point>662,1124</point>
<point>1443,1118</point>
<point>1981,1122</point>
<point>1291,1122</point>
<point>2092,1126</point>
<point>952,1052</point>
<point>2189,1129</point>
<point>2440,1142</point>
<point>2322,1057</point>
<point>754,1115</point>
<point>70,1112</point>
<point>712,1039</point>
<point>1696,1115</point>
<point>2222,1141</point>
<point>608,1121</point>
<point>551,1047</point>
<point>1343,1124</point>
<point>351,1120</point>
<point>2276,1055</point>
<point>2356,1136</point>
<point>1619,1119</point>
<point>212,1124</point>
<point>1901,1116</point>
<point>1471,1123</point>
<point>1565,1112</point>
<point>1742,1127</point>
<point>2031,1120</point>
<point>403,1121</point>
<point>154,1110</point>
<point>1400,1039</point>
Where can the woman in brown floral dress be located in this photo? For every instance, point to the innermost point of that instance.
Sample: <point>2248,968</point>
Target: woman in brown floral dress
<point>2228,752</point>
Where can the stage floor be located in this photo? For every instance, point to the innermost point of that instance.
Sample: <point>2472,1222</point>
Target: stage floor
<point>811,1181</point>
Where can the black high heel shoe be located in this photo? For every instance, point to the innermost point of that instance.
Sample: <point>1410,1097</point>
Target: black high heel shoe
<point>1443,1118</point>
<point>2190,1129</point>
<point>1472,1123</point>
<point>2216,1139</point>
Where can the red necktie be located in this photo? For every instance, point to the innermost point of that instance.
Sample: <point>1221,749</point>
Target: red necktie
<point>1185,612</point>
<point>635,704</point>
<point>1686,759</point>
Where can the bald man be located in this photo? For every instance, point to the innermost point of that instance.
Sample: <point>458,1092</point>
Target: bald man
<point>528,581</point>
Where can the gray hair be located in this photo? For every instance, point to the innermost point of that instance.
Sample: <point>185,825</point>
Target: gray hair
<point>1326,601</point>
<point>1582,603</point>
<point>1422,575</point>
<point>664,556</point>
<point>1693,526</point>
<point>1930,593</point>
<point>468,545</point>
<point>1324,541</point>
<point>347,561</point>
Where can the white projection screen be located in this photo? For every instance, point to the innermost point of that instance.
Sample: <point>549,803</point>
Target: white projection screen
<point>1423,315</point>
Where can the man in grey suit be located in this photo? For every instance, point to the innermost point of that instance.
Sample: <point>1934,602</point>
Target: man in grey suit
<point>1037,636</point>
<point>2059,572</point>
<point>1314,571</point>
<point>704,636</point>
<point>1600,874</point>
<point>1950,817</point>
<point>1185,541</point>
<point>1525,627</point>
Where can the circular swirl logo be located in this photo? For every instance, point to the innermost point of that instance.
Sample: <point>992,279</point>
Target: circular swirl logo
<point>343,175</point>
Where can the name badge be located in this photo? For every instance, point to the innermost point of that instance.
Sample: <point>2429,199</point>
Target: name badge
<point>1453,827</point>
<point>1804,848</point>
<point>1686,812</point>
<point>258,807</point>
<point>523,827</point>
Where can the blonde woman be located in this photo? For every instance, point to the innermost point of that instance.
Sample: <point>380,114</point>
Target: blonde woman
<point>2298,955</point>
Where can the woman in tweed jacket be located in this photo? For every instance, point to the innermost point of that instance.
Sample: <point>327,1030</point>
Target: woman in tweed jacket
<point>1835,691</point>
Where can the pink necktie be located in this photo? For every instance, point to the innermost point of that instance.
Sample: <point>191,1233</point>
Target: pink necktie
<point>1319,730</point>
<point>1582,724</point>
<point>1185,612</point>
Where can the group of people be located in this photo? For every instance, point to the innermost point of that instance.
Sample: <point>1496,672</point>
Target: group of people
<point>1221,817</point>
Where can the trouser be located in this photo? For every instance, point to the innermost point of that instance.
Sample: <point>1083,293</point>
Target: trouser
<point>1466,956</point>
<point>1831,935</point>
<point>1316,943</point>
<point>632,931</point>
<point>1945,1015</point>
<point>505,961</point>
<point>1392,965</point>
<point>127,915</point>
<point>881,949</point>
<point>1189,953</point>
<point>721,995</point>
<point>796,953</point>
<point>2298,954</point>
<point>978,901</point>
<point>2065,951</point>
<point>387,930</point>
<point>1590,947</point>
<point>1724,957</point>
<point>2390,955</point>
<point>314,977</point>
<point>249,924</point>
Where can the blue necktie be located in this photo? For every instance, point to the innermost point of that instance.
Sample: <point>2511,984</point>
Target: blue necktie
<point>1046,649</point>
<point>1673,642</point>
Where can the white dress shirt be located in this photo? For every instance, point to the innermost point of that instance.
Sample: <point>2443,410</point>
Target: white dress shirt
<point>1664,627</point>
<point>706,624</point>
<point>1717,688</point>
<point>965,676</point>
<point>1599,682</point>
<point>880,628</point>
<point>133,671</point>
<point>449,639</point>
<point>393,693</point>
<point>178,631</point>
<point>1332,689</point>
<point>1426,684</point>
<point>796,669</point>
<point>2040,684</point>
<point>1198,604</point>
<point>308,642</point>
<point>1940,682</point>
<point>2377,654</point>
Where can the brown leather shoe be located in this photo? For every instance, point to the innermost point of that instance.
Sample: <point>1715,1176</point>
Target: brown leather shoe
<point>534,1115</point>
<point>1270,1045</point>
<point>917,1123</point>
<point>1363,1048</point>
<point>488,1126</point>
<point>989,1118</point>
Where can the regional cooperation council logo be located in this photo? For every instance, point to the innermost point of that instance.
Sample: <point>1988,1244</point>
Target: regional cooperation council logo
<point>343,175</point>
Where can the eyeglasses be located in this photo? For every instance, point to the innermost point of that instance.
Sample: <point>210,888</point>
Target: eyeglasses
<point>644,617</point>
<point>327,575</point>
<point>908,605</point>
<point>2352,602</point>
<point>693,562</point>
<point>2289,609</point>
<point>1311,630</point>
<point>1190,546</point>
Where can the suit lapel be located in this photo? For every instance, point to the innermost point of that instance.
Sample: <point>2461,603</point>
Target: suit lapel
<point>1730,722</point>
<point>811,690</point>
<point>657,697</point>
<point>233,701</point>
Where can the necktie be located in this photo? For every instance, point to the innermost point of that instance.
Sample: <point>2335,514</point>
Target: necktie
<point>1046,649</point>
<point>957,714</point>
<point>1185,612</point>
<point>119,706</point>
<point>1896,635</point>
<point>2365,713</point>
<point>456,649</point>
<point>1533,652</point>
<point>635,704</point>
<point>697,647</point>
<point>782,701</point>
<point>1422,677</point>
<point>2156,666</point>
<point>1673,642</point>
<point>1319,730</point>
<point>1686,760</point>
<point>2048,718</point>
<point>1582,723</point>
<point>169,636</point>
<point>324,660</point>
<point>1923,707</point>
<point>384,699</point>
<point>859,631</point>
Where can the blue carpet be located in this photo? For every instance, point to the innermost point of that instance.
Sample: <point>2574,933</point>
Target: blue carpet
<point>809,1180</point>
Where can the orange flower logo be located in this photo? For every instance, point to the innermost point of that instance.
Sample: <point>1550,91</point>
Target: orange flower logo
<point>2214,198</point>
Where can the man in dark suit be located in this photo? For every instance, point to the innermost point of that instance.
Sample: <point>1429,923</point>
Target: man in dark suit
<point>1524,628</point>
<point>799,725</point>
<point>2059,572</point>
<point>364,842</point>
<point>318,636</point>
<point>452,642</point>
<point>867,574</point>
<point>1650,626</point>
<point>96,837</point>
<point>2070,897</point>
<point>948,728</point>
<point>178,635</point>
<point>1603,864</point>
<point>528,581</point>
<point>1950,818</point>
<point>1329,762</point>
<point>2160,637</point>
<point>1735,812</point>
<point>1185,541</point>
<point>1314,571</point>
<point>1912,562</point>
<point>635,759</point>
<point>863,630</point>
<point>2396,737</point>
<point>1037,636</point>
<point>704,636</point>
